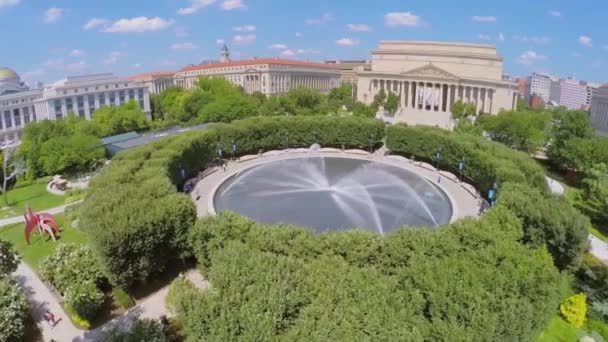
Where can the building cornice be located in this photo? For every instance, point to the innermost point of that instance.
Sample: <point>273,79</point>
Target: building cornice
<point>437,53</point>
<point>437,43</point>
<point>448,80</point>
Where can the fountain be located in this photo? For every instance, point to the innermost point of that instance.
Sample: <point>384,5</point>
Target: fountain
<point>334,193</point>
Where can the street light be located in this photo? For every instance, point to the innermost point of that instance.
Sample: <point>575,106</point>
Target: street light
<point>461,168</point>
<point>233,149</point>
<point>371,142</point>
<point>287,140</point>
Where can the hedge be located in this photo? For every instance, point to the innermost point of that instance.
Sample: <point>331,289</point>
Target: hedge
<point>137,221</point>
<point>486,162</point>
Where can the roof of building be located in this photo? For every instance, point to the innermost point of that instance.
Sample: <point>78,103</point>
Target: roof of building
<point>604,86</point>
<point>8,75</point>
<point>275,61</point>
<point>151,74</point>
<point>139,140</point>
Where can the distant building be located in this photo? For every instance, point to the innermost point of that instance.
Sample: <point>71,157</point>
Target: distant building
<point>349,69</point>
<point>269,76</point>
<point>430,77</point>
<point>536,101</point>
<point>591,88</point>
<point>569,93</point>
<point>225,55</point>
<point>599,110</point>
<point>540,85</point>
<point>157,82</point>
<point>522,85</point>
<point>81,95</point>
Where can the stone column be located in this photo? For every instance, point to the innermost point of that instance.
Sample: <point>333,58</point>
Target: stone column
<point>408,95</point>
<point>477,107</point>
<point>3,121</point>
<point>485,100</point>
<point>441,85</point>
<point>416,88</point>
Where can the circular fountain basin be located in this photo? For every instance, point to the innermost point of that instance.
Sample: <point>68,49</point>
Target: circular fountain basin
<point>327,193</point>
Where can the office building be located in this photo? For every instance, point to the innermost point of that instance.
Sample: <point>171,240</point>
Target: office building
<point>540,85</point>
<point>599,110</point>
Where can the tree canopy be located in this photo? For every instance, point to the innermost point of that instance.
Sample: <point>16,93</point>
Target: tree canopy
<point>524,131</point>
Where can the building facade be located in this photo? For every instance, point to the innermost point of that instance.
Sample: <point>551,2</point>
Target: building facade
<point>157,82</point>
<point>10,82</point>
<point>599,110</point>
<point>430,77</point>
<point>267,75</point>
<point>349,69</point>
<point>570,93</point>
<point>81,95</point>
<point>540,85</point>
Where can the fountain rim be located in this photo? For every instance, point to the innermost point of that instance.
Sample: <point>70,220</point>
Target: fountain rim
<point>265,160</point>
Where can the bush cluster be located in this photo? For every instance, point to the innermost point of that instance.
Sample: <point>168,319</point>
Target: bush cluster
<point>285,283</point>
<point>136,220</point>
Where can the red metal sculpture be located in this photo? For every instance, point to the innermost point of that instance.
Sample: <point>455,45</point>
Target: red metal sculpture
<point>45,223</point>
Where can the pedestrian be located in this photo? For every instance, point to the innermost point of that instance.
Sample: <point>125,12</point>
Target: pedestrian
<point>439,179</point>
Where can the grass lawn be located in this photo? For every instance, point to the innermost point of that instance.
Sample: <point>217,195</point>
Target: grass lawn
<point>559,330</point>
<point>35,195</point>
<point>39,249</point>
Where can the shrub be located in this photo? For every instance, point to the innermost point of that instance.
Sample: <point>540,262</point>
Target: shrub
<point>598,326</point>
<point>123,298</point>
<point>14,311</point>
<point>148,330</point>
<point>9,260</point>
<point>574,309</point>
<point>79,321</point>
<point>85,299</point>
<point>69,265</point>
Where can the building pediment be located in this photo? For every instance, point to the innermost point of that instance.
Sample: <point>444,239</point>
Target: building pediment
<point>430,71</point>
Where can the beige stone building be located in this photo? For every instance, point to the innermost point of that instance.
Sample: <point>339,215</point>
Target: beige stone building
<point>349,69</point>
<point>157,82</point>
<point>430,77</point>
<point>270,76</point>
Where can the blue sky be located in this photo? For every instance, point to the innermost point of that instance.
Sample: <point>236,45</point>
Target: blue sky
<point>48,40</point>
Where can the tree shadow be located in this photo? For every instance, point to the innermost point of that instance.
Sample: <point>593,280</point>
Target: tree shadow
<point>122,323</point>
<point>37,309</point>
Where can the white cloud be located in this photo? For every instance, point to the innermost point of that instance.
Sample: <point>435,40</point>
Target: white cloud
<point>554,13</point>
<point>29,75</point>
<point>184,46</point>
<point>77,53</point>
<point>299,34</point>
<point>139,25</point>
<point>529,57</point>
<point>483,37</point>
<point>78,66</point>
<point>394,19</point>
<point>112,58</point>
<point>195,6</point>
<point>244,28</point>
<point>244,39</point>
<point>52,15</point>
<point>501,37</point>
<point>278,47</point>
<point>220,41</point>
<point>585,41</point>
<point>229,5</point>
<point>288,53</point>
<point>347,42</point>
<point>8,3</point>
<point>359,27</point>
<point>484,19</point>
<point>167,63</point>
<point>536,40</point>
<point>137,65</point>
<point>95,22</point>
<point>324,19</point>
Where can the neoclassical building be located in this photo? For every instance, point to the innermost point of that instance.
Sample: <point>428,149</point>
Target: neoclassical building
<point>270,76</point>
<point>157,82</point>
<point>430,77</point>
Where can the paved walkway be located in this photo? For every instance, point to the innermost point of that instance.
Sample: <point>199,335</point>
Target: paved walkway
<point>41,299</point>
<point>20,218</point>
<point>465,200</point>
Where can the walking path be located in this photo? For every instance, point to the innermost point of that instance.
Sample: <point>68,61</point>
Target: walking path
<point>597,247</point>
<point>41,299</point>
<point>20,218</point>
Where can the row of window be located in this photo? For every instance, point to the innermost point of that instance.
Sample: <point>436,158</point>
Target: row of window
<point>17,101</point>
<point>14,120</point>
<point>108,99</point>
<point>86,89</point>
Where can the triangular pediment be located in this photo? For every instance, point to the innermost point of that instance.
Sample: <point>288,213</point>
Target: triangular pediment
<point>251,70</point>
<point>430,71</point>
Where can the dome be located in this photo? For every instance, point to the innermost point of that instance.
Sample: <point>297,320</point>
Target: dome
<point>9,75</point>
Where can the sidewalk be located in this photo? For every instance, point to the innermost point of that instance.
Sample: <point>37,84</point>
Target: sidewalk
<point>20,218</point>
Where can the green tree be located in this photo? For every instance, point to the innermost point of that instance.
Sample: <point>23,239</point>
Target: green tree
<point>8,259</point>
<point>228,108</point>
<point>305,101</point>
<point>595,194</point>
<point>379,99</point>
<point>193,104</point>
<point>462,110</point>
<point>85,299</point>
<point>360,109</point>
<point>116,120</point>
<point>14,311</point>
<point>524,131</point>
<point>522,104</point>
<point>69,154</point>
<point>392,103</point>
<point>218,86</point>
<point>343,95</point>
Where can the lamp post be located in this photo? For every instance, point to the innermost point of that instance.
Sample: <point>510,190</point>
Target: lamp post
<point>371,142</point>
<point>233,149</point>
<point>287,140</point>
<point>437,158</point>
<point>461,168</point>
<point>316,136</point>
